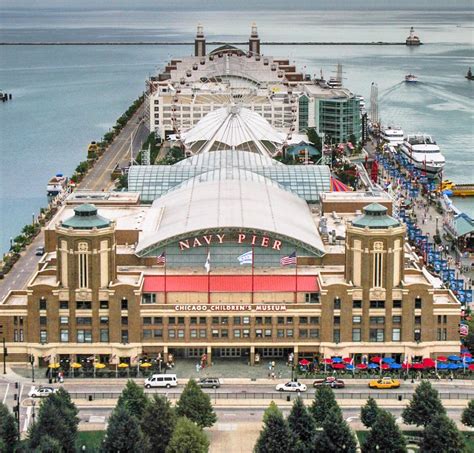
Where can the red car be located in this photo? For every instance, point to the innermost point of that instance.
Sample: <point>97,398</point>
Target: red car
<point>329,381</point>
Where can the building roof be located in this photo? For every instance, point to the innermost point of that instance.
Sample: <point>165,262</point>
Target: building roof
<point>375,217</point>
<point>231,283</point>
<point>236,205</point>
<point>85,218</point>
<point>463,225</point>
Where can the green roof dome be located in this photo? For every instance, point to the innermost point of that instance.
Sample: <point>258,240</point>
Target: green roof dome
<point>85,218</point>
<point>375,217</point>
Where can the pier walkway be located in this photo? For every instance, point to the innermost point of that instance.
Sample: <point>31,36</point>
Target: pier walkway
<point>211,43</point>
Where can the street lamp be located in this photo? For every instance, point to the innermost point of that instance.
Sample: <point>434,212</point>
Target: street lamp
<point>11,242</point>
<point>32,219</point>
<point>437,229</point>
<point>32,361</point>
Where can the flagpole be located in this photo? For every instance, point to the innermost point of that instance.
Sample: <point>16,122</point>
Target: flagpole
<point>296,279</point>
<point>252,270</point>
<point>166,265</point>
<point>208,280</point>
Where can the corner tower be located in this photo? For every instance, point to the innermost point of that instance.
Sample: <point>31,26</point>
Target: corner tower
<point>86,250</point>
<point>200,42</point>
<point>374,251</point>
<point>254,41</point>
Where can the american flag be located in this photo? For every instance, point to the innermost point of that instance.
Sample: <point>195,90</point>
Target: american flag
<point>161,259</point>
<point>287,260</point>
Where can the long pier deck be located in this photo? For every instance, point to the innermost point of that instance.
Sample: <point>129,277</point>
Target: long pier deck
<point>212,43</point>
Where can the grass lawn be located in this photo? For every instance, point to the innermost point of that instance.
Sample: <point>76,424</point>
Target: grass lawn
<point>91,439</point>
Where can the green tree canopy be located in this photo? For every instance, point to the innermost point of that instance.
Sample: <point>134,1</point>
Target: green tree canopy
<point>302,427</point>
<point>368,413</point>
<point>424,405</point>
<point>187,438</point>
<point>442,436</point>
<point>324,401</point>
<point>468,414</point>
<point>158,422</point>
<point>314,138</point>
<point>196,405</point>
<point>8,429</point>
<point>336,435</point>
<point>385,436</point>
<point>49,444</point>
<point>124,433</point>
<point>133,399</point>
<point>275,437</point>
<point>57,418</point>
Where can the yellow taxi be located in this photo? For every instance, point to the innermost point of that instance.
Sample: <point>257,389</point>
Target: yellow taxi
<point>384,383</point>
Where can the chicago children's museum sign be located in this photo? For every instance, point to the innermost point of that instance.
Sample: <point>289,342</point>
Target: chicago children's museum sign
<point>240,238</point>
<point>229,307</point>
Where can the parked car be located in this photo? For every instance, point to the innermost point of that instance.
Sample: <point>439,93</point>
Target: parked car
<point>38,392</point>
<point>39,251</point>
<point>209,383</point>
<point>161,380</point>
<point>384,383</point>
<point>291,387</point>
<point>329,381</point>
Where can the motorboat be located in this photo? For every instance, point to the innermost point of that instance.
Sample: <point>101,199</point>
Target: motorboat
<point>333,82</point>
<point>469,75</point>
<point>411,78</point>
<point>423,152</point>
<point>393,135</point>
<point>56,185</point>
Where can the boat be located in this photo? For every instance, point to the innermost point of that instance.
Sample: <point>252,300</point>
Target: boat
<point>423,152</point>
<point>393,135</point>
<point>333,82</point>
<point>469,75</point>
<point>411,78</point>
<point>56,185</point>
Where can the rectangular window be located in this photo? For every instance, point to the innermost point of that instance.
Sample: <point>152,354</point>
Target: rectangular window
<point>337,303</point>
<point>314,320</point>
<point>43,336</point>
<point>303,333</point>
<point>84,305</point>
<point>180,334</point>
<point>104,335</point>
<point>42,304</point>
<point>246,319</point>
<point>215,320</point>
<point>193,320</point>
<point>376,335</point>
<point>417,319</point>
<point>337,320</point>
<point>21,335</point>
<point>268,320</point>
<point>445,334</point>
<point>147,320</point>
<point>289,333</point>
<point>418,302</point>
<point>237,321</point>
<point>83,321</point>
<point>356,304</point>
<point>180,320</point>
<point>281,320</point>
<point>171,320</point>
<point>314,333</point>
<point>15,335</point>
<point>356,319</point>
<point>258,333</point>
<point>124,304</point>
<point>158,333</point>
<point>148,298</point>
<point>158,320</point>
<point>289,320</point>
<point>171,333</point>
<point>417,335</point>
<point>439,334</point>
<point>246,333</point>
<point>224,333</point>
<point>63,305</point>
<point>237,333</point>
<point>396,334</point>
<point>280,333</point>
<point>397,304</point>
<point>303,320</point>
<point>104,304</point>
<point>124,336</point>
<point>337,336</point>
<point>64,336</point>
<point>63,320</point>
<point>356,334</point>
<point>147,334</point>
<point>377,320</point>
<point>202,333</point>
<point>193,333</point>
<point>396,319</point>
<point>104,320</point>
<point>84,336</point>
<point>215,333</point>
<point>377,304</point>
<point>43,320</point>
<point>268,333</point>
<point>312,298</point>
<point>259,320</point>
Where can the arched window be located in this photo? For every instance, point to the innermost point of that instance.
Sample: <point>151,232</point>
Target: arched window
<point>83,258</point>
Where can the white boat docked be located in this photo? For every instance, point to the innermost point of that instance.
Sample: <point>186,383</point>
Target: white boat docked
<point>411,78</point>
<point>423,152</point>
<point>56,185</point>
<point>393,135</point>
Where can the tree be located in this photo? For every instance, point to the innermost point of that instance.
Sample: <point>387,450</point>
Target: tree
<point>468,414</point>
<point>49,444</point>
<point>385,436</point>
<point>336,436</point>
<point>187,438</point>
<point>123,432</point>
<point>324,401</point>
<point>57,418</point>
<point>442,436</point>
<point>196,405</point>
<point>275,436</point>
<point>133,399</point>
<point>424,405</point>
<point>314,138</point>
<point>369,412</point>
<point>158,422</point>
<point>302,427</point>
<point>8,430</point>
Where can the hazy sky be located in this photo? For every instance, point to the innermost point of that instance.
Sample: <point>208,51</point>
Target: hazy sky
<point>429,5</point>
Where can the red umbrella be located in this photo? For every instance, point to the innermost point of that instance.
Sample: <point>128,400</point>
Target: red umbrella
<point>406,365</point>
<point>442,358</point>
<point>361,366</point>
<point>347,360</point>
<point>339,366</point>
<point>328,361</point>
<point>465,354</point>
<point>471,367</point>
<point>385,366</point>
<point>304,362</point>
<point>418,366</point>
<point>429,363</point>
<point>376,359</point>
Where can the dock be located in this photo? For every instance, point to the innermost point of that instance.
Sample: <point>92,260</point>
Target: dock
<point>212,43</point>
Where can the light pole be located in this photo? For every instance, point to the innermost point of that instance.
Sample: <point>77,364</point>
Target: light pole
<point>11,242</point>
<point>437,229</point>
<point>32,219</point>
<point>32,361</point>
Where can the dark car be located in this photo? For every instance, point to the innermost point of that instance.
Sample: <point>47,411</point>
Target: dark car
<point>39,251</point>
<point>209,383</point>
<point>329,381</point>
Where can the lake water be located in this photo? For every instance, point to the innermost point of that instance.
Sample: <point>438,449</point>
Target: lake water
<point>66,96</point>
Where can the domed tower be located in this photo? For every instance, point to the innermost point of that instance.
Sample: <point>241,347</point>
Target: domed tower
<point>374,250</point>
<point>86,250</point>
<point>200,42</point>
<point>254,41</point>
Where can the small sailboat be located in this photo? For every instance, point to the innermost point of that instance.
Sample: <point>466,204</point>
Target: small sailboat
<point>411,78</point>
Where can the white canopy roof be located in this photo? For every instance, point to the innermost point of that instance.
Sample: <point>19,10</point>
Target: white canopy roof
<point>230,204</point>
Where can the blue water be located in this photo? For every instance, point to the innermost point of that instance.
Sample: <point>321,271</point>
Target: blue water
<point>64,97</point>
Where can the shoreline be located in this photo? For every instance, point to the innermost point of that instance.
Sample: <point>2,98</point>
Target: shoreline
<point>212,43</point>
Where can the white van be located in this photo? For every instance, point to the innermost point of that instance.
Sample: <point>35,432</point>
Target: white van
<point>161,380</point>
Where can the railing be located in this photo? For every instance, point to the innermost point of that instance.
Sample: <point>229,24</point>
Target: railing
<point>392,395</point>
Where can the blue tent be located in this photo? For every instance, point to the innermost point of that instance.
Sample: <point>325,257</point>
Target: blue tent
<point>349,367</point>
<point>442,366</point>
<point>336,360</point>
<point>395,366</point>
<point>388,360</point>
<point>454,358</point>
<point>453,366</point>
<point>373,366</point>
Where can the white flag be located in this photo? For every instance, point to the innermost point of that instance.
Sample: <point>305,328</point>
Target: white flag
<point>245,258</point>
<point>207,264</point>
